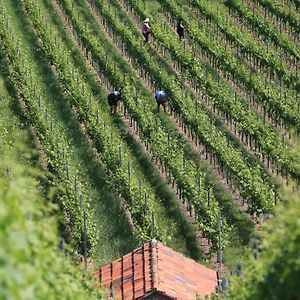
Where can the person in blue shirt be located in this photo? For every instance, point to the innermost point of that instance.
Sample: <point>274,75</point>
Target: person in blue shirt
<point>113,99</point>
<point>161,99</point>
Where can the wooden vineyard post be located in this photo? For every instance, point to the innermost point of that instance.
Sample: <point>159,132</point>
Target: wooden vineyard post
<point>84,240</point>
<point>83,89</point>
<point>220,254</point>
<point>90,98</point>
<point>140,187</point>
<point>120,155</point>
<point>208,197</point>
<point>40,102</point>
<point>46,114</point>
<point>67,170</point>
<point>56,139</point>
<point>75,188</point>
<point>145,203</point>
<point>129,172</point>
<point>153,225</point>
<point>80,202</point>
<point>97,117</point>
<point>51,128</point>
<point>255,248</point>
<point>135,94</point>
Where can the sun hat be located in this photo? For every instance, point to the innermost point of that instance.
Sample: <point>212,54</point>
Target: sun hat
<point>146,20</point>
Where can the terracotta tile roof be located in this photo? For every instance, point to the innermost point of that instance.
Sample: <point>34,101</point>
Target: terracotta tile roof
<point>155,267</point>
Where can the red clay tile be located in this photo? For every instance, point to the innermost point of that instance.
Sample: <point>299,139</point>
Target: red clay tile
<point>155,266</point>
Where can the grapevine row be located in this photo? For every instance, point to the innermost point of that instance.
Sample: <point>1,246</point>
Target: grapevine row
<point>282,12</point>
<point>117,158</point>
<point>247,46</point>
<point>199,122</point>
<point>265,93</point>
<point>52,138</point>
<point>245,120</point>
<point>167,147</point>
<point>264,28</point>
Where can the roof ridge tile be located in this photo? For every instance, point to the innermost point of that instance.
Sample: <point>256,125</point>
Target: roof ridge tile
<point>154,264</point>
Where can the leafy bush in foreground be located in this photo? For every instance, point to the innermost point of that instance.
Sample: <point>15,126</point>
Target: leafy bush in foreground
<point>275,275</point>
<point>31,267</point>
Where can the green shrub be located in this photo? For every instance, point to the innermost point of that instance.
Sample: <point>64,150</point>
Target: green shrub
<point>31,266</point>
<point>276,273</point>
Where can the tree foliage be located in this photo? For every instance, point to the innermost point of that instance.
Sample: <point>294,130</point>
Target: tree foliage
<point>31,266</point>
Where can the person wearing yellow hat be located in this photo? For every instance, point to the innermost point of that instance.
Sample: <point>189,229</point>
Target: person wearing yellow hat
<point>146,30</point>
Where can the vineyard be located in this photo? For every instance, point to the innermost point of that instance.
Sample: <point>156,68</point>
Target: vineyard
<point>201,177</point>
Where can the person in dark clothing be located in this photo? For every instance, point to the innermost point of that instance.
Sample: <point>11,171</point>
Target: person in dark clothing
<point>161,99</point>
<point>146,30</point>
<point>180,28</point>
<point>113,99</point>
